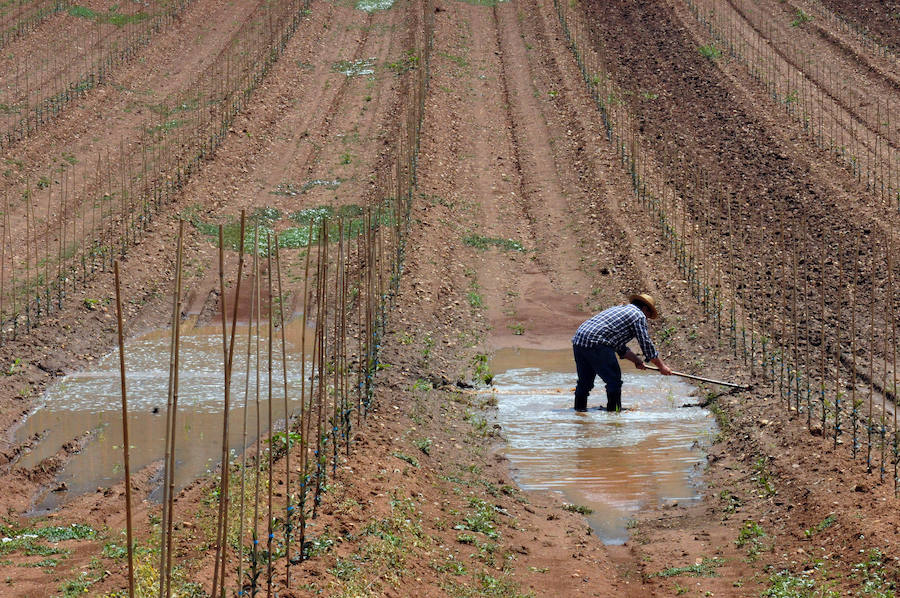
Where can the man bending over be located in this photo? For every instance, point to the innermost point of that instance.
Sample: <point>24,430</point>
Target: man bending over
<point>599,339</point>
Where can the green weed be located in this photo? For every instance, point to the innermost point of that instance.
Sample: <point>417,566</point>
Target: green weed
<point>705,568</point>
<point>424,445</point>
<point>405,63</point>
<point>710,51</point>
<point>481,519</point>
<point>482,368</point>
<point>404,457</point>
<point>875,580</point>
<point>785,584</point>
<point>763,478</point>
<point>800,18</point>
<point>821,526</point>
<point>475,299</point>
<point>481,242</point>
<point>578,509</point>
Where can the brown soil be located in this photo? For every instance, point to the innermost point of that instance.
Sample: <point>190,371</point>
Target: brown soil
<point>512,148</point>
<point>879,19</point>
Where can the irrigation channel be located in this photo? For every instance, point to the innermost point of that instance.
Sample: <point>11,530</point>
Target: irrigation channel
<point>614,464</point>
<point>86,405</point>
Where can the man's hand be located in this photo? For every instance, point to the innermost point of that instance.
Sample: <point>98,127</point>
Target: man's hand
<point>663,368</point>
<point>633,358</point>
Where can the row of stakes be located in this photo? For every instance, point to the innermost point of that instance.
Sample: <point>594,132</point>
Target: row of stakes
<point>813,366</point>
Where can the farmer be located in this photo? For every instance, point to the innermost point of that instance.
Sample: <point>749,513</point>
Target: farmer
<point>599,339</point>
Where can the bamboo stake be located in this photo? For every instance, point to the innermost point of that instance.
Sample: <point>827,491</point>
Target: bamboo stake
<point>288,508</point>
<point>874,340</point>
<point>171,412</point>
<point>241,510</point>
<point>336,352</point>
<point>884,380</point>
<point>321,321</point>
<point>271,464</point>
<point>3,245</point>
<point>853,294</point>
<point>822,340</point>
<point>304,412</point>
<point>254,554</point>
<point>125,445</point>
<point>228,354</point>
<point>893,320</point>
<point>837,351</point>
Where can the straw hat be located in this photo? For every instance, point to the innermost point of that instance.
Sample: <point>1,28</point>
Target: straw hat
<point>644,300</point>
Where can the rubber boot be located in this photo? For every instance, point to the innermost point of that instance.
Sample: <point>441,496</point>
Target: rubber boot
<point>614,400</point>
<point>580,403</point>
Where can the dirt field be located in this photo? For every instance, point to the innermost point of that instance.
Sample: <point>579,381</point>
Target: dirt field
<point>524,222</point>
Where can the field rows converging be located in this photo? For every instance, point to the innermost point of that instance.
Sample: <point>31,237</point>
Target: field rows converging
<point>66,217</point>
<point>791,303</point>
<point>845,103</point>
<point>71,52</point>
<point>283,240</point>
<point>318,199</point>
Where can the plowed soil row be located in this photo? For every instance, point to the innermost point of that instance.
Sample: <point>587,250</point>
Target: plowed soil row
<point>730,132</point>
<point>876,17</point>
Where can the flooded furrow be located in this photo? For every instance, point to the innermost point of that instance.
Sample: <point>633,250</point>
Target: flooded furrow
<point>87,406</point>
<point>650,453</point>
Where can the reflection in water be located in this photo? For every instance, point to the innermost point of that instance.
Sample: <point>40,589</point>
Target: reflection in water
<point>612,463</point>
<point>90,403</point>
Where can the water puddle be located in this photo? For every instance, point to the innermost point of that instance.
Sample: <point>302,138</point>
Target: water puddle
<point>355,68</point>
<point>373,5</point>
<point>616,464</point>
<point>88,405</point>
<point>289,189</point>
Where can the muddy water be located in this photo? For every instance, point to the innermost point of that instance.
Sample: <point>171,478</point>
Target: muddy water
<point>616,464</point>
<point>88,405</point>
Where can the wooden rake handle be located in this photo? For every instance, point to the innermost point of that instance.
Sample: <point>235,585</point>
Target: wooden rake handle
<point>701,379</point>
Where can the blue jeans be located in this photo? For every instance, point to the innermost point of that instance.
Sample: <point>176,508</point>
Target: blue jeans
<point>591,362</point>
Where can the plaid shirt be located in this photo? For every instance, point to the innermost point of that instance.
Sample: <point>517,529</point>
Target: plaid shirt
<point>614,327</point>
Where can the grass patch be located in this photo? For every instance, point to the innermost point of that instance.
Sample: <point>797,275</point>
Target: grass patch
<point>705,568</point>
<point>382,557</point>
<point>821,526</point>
<point>749,532</point>
<point>488,3</point>
<point>482,368</point>
<point>457,60</point>
<point>710,51</point>
<point>480,519</point>
<point>404,64</point>
<point>307,226</point>
<point>518,328</point>
<point>424,445</point>
<point>578,509</point>
<point>785,584</point>
<point>763,478</point>
<point>404,457</point>
<point>801,18</point>
<point>481,242</point>
<point>373,5</point>
<point>749,536</point>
